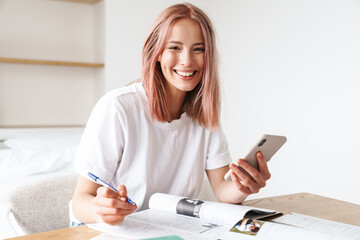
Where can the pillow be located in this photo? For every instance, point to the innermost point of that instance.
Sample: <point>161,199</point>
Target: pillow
<point>45,140</point>
<point>23,162</point>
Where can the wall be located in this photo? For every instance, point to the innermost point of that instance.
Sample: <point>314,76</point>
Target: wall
<point>49,30</point>
<point>287,67</point>
<point>292,68</point>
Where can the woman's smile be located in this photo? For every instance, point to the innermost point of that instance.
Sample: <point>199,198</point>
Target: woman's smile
<point>185,75</point>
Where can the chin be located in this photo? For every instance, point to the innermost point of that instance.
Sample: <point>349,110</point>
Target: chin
<point>187,88</point>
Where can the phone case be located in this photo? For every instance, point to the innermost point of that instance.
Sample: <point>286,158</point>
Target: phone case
<point>267,144</point>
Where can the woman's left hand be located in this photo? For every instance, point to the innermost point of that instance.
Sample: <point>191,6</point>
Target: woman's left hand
<point>254,180</point>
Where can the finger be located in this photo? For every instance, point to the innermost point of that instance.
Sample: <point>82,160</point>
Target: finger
<point>122,193</point>
<point>246,166</point>
<point>253,172</point>
<point>245,180</point>
<point>238,185</point>
<point>240,174</point>
<point>263,167</point>
<point>112,203</point>
<point>122,190</point>
<point>106,192</point>
<point>251,177</point>
<point>112,219</point>
<point>100,210</point>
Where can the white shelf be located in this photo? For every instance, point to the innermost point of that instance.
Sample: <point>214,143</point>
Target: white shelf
<point>50,62</point>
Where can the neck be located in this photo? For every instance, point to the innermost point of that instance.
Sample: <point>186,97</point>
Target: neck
<point>175,103</point>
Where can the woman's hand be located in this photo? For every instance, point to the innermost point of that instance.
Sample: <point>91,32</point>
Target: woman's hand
<point>253,180</point>
<point>111,207</point>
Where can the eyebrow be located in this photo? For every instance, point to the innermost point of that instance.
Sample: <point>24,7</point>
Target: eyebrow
<point>178,42</point>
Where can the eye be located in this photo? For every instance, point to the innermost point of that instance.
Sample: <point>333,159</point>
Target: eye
<point>199,49</point>
<point>174,48</point>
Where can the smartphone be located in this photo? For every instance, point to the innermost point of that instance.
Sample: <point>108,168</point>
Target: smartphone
<point>267,144</point>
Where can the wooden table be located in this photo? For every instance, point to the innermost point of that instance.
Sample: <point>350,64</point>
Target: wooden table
<point>305,203</point>
<point>312,205</point>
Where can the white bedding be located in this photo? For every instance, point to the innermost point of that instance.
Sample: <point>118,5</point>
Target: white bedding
<point>30,154</point>
<point>43,139</point>
<point>19,164</point>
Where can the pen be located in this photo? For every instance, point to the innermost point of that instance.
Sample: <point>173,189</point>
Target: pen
<point>101,182</point>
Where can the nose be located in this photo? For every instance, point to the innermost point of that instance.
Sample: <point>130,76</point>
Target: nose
<point>185,58</point>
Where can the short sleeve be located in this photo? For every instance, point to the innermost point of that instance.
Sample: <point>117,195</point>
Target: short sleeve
<point>218,151</point>
<point>101,145</point>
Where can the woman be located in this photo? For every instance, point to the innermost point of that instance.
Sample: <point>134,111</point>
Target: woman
<point>162,134</point>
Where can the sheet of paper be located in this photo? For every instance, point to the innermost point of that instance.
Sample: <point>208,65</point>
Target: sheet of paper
<point>154,223</point>
<point>273,231</point>
<point>320,225</point>
<point>109,236</point>
<point>224,214</point>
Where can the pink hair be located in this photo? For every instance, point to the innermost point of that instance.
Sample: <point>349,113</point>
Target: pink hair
<point>203,102</point>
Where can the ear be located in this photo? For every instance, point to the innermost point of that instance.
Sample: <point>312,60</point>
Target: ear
<point>159,58</point>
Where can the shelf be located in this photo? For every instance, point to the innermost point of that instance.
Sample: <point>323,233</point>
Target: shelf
<point>9,127</point>
<point>48,62</point>
<point>82,1</point>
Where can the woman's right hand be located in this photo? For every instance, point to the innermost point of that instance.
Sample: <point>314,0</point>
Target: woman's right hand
<point>111,207</point>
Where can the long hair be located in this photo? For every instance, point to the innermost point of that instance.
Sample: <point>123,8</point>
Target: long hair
<point>203,102</point>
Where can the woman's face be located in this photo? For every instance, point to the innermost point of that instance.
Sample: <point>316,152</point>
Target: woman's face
<point>182,61</point>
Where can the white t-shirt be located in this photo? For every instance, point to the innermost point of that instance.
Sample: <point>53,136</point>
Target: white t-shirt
<point>121,144</point>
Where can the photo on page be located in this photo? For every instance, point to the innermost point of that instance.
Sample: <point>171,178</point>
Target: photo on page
<point>247,226</point>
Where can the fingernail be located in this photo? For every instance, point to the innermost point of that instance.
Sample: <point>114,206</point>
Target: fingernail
<point>122,193</point>
<point>123,199</point>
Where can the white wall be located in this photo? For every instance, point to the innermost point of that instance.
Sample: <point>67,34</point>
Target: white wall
<point>287,67</point>
<point>49,30</point>
<point>292,68</point>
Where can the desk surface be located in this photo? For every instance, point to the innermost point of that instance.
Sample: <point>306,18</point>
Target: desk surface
<point>305,203</point>
<point>312,205</point>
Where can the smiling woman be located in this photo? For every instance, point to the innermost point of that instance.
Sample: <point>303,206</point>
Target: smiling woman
<point>184,37</point>
<point>162,134</point>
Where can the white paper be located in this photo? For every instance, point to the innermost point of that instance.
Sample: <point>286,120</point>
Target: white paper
<point>109,236</point>
<point>224,214</point>
<point>321,225</point>
<point>152,223</point>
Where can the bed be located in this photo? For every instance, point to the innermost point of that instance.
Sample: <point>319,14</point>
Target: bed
<point>36,177</point>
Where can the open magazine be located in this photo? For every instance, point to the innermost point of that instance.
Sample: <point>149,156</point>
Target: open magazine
<point>195,219</point>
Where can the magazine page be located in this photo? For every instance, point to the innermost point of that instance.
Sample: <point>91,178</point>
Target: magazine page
<point>156,223</point>
<point>320,225</point>
<point>278,231</point>
<point>109,236</point>
<point>215,212</point>
<point>196,219</point>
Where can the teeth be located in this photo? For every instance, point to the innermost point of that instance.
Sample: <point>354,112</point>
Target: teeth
<point>185,74</point>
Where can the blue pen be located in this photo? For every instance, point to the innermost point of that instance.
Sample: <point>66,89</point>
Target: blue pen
<point>101,182</point>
